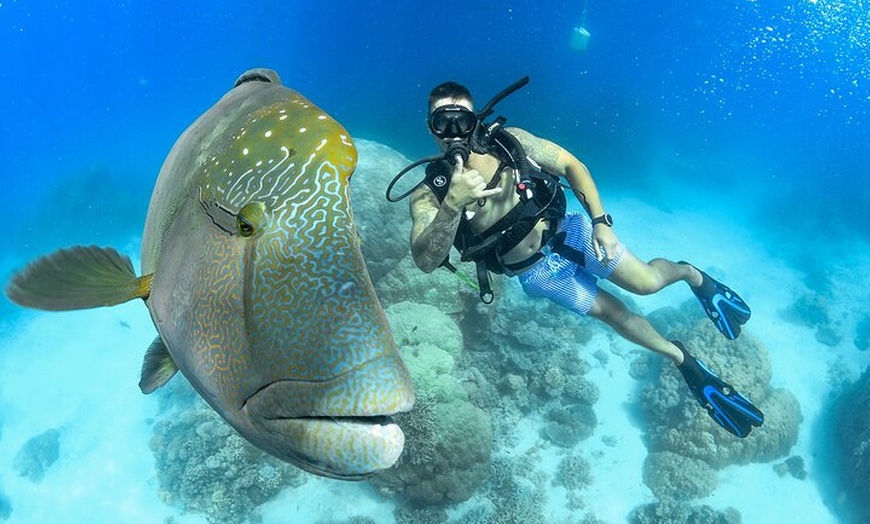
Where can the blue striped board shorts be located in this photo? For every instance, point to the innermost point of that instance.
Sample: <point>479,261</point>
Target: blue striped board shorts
<point>563,281</point>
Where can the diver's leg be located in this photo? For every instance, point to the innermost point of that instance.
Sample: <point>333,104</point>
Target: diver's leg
<point>631,326</point>
<point>645,278</point>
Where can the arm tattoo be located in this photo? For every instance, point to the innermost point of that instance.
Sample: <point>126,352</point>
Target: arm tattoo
<point>581,196</point>
<point>544,152</point>
<point>433,232</point>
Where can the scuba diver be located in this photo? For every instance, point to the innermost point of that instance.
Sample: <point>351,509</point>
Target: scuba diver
<point>494,193</point>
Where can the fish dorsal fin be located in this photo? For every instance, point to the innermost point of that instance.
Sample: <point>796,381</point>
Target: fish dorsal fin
<point>157,368</point>
<point>80,277</point>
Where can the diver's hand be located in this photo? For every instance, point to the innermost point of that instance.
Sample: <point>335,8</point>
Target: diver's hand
<point>605,242</point>
<point>466,187</point>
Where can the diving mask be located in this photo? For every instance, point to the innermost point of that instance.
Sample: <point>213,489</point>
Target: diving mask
<point>452,121</point>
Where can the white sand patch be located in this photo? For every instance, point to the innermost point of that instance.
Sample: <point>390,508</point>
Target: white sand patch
<point>322,501</point>
<point>616,451</point>
<point>78,373</point>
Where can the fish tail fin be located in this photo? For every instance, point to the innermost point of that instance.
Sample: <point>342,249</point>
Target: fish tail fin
<point>79,277</point>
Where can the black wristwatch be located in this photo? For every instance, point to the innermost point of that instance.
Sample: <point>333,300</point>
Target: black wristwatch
<point>605,219</point>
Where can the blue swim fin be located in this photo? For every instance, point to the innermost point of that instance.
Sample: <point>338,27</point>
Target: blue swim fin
<point>724,307</point>
<point>727,407</point>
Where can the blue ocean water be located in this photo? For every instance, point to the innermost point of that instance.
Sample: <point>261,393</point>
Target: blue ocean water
<point>763,104</point>
<point>753,97</point>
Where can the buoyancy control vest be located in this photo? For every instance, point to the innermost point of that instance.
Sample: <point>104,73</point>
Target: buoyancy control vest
<point>541,197</point>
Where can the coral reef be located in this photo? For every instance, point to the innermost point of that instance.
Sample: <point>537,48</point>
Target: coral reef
<point>567,426</point>
<point>530,351</point>
<point>813,310</point>
<point>682,513</point>
<point>676,423</point>
<point>359,519</point>
<point>476,382</point>
<point>384,227</point>
<point>517,492</point>
<point>673,476</point>
<point>412,515</point>
<point>448,440</point>
<point>686,445</point>
<point>574,474</point>
<point>794,466</point>
<point>204,466</point>
<point>440,288</point>
<point>37,455</point>
<point>850,448</point>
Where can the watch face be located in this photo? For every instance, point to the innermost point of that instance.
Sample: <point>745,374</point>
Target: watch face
<point>608,220</point>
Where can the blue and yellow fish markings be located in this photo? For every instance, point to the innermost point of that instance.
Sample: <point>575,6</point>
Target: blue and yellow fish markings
<point>254,278</point>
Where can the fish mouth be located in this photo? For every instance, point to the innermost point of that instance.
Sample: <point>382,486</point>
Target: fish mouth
<point>344,448</point>
<point>321,428</point>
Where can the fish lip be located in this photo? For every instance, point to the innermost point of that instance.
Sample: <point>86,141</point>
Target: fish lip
<point>312,463</point>
<point>371,420</point>
<point>384,417</point>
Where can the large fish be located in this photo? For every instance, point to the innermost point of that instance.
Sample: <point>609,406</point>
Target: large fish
<point>254,278</point>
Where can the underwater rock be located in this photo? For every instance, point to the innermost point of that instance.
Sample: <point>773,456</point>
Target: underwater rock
<point>37,455</point>
<point>205,467</point>
<point>676,423</point>
<point>810,309</point>
<point>828,336</point>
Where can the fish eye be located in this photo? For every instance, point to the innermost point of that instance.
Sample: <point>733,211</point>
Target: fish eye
<point>245,228</point>
<point>251,218</point>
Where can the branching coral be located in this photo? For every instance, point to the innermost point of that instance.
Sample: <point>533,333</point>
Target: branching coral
<point>204,466</point>
<point>574,472</point>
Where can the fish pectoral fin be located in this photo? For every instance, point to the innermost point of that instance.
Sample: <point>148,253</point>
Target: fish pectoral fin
<point>157,368</point>
<point>79,277</point>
